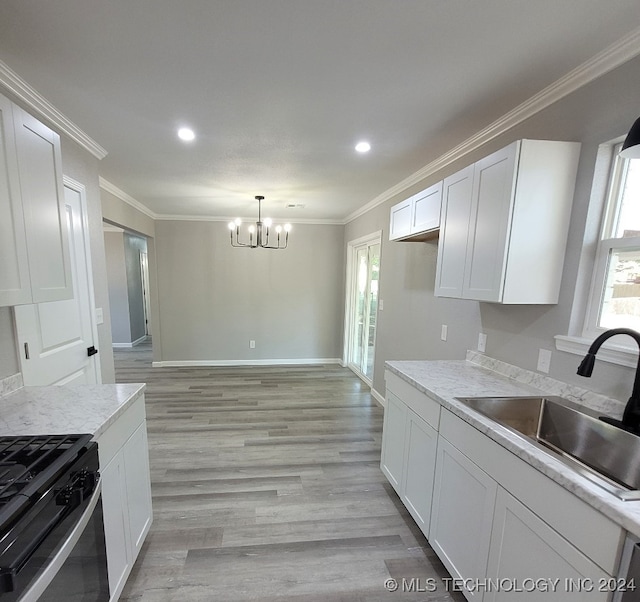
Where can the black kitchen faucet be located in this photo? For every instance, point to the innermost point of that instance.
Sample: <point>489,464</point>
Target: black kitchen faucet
<point>631,416</point>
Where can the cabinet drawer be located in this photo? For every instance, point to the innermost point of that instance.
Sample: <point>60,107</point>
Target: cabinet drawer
<point>421,404</point>
<point>556,506</point>
<point>112,440</point>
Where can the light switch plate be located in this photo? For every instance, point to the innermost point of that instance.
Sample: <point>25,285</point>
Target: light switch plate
<point>381,305</point>
<point>443,332</point>
<point>482,342</point>
<point>99,316</point>
<point>544,360</point>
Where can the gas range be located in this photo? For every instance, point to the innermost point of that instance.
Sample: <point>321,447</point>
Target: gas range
<point>44,481</point>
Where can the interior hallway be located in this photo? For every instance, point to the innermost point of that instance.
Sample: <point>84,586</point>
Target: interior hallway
<point>266,486</point>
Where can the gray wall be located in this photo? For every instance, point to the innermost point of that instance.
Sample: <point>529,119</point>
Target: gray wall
<point>214,298</point>
<point>133,246</point>
<point>118,293</point>
<point>409,326</point>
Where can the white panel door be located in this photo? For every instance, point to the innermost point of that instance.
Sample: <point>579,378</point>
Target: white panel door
<point>56,335</point>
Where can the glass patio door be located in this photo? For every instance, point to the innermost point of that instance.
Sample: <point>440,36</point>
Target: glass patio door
<point>365,276</point>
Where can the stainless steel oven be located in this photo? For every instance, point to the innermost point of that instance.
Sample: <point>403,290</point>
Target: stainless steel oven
<point>52,545</point>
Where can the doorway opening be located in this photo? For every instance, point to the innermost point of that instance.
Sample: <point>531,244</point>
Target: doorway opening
<point>363,276</point>
<point>128,282</point>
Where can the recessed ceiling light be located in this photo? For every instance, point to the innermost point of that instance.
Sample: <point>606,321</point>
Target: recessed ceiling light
<point>363,147</point>
<point>186,134</point>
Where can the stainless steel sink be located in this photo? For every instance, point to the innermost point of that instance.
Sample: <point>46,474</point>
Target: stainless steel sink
<point>607,455</point>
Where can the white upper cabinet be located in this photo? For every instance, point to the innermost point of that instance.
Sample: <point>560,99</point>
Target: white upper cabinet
<point>504,235</point>
<point>14,267</point>
<point>35,264</point>
<point>418,217</point>
<point>454,231</point>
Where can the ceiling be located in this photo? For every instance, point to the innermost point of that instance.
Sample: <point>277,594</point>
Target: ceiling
<point>279,91</point>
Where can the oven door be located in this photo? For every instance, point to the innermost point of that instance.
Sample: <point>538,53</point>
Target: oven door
<point>76,569</point>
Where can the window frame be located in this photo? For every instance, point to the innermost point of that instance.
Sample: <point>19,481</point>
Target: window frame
<point>619,350</point>
<point>607,244</point>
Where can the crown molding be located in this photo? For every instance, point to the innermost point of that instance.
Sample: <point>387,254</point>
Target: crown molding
<point>618,53</point>
<point>207,218</point>
<point>123,196</point>
<point>17,86</point>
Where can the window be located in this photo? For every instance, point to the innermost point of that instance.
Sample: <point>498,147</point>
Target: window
<point>615,290</point>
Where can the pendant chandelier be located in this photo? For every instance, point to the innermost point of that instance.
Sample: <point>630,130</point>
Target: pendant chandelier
<point>260,233</point>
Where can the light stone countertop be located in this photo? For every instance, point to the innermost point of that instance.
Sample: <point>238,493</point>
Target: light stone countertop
<point>71,409</point>
<point>444,380</point>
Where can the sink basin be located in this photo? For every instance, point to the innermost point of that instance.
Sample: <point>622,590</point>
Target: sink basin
<point>607,455</point>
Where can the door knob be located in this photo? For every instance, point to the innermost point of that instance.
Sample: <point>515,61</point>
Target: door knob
<point>91,351</point>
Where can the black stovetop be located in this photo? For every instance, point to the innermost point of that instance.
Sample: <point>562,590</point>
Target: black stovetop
<point>30,464</point>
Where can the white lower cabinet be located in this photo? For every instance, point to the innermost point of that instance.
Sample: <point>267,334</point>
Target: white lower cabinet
<point>462,515</point>
<point>395,420</point>
<point>409,443</point>
<point>545,543</point>
<point>527,554</point>
<point>126,493</point>
<point>421,441</point>
<point>503,529</point>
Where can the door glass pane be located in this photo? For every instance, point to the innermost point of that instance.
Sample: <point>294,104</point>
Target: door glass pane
<point>621,300</point>
<point>360,307</point>
<point>373,280</point>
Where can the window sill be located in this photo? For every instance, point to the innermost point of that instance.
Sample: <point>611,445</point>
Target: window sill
<point>609,352</point>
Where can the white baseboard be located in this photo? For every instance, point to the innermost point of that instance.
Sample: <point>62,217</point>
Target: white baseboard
<point>379,398</point>
<point>276,362</point>
<point>130,345</point>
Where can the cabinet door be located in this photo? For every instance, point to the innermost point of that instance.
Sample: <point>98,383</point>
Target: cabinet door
<point>15,287</point>
<point>425,213</point>
<point>526,551</point>
<point>421,442</point>
<point>116,523</point>
<point>393,432</point>
<point>462,515</point>
<point>492,204</point>
<point>40,168</point>
<point>400,220</point>
<point>454,229</point>
<point>136,461</point>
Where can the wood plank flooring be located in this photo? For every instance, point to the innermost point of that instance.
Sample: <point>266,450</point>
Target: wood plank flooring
<point>266,486</point>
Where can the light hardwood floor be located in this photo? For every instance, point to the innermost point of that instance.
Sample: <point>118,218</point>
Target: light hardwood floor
<point>266,486</point>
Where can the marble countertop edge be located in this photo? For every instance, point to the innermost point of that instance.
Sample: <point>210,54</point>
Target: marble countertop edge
<point>65,409</point>
<point>459,378</point>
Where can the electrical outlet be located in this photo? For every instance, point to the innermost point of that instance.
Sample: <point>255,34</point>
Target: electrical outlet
<point>544,360</point>
<point>482,342</point>
<point>443,332</point>
<point>252,344</point>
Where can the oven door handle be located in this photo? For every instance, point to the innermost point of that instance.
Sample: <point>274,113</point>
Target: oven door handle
<point>49,571</point>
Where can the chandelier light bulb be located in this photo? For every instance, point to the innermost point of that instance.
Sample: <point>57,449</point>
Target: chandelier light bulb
<point>260,235</point>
